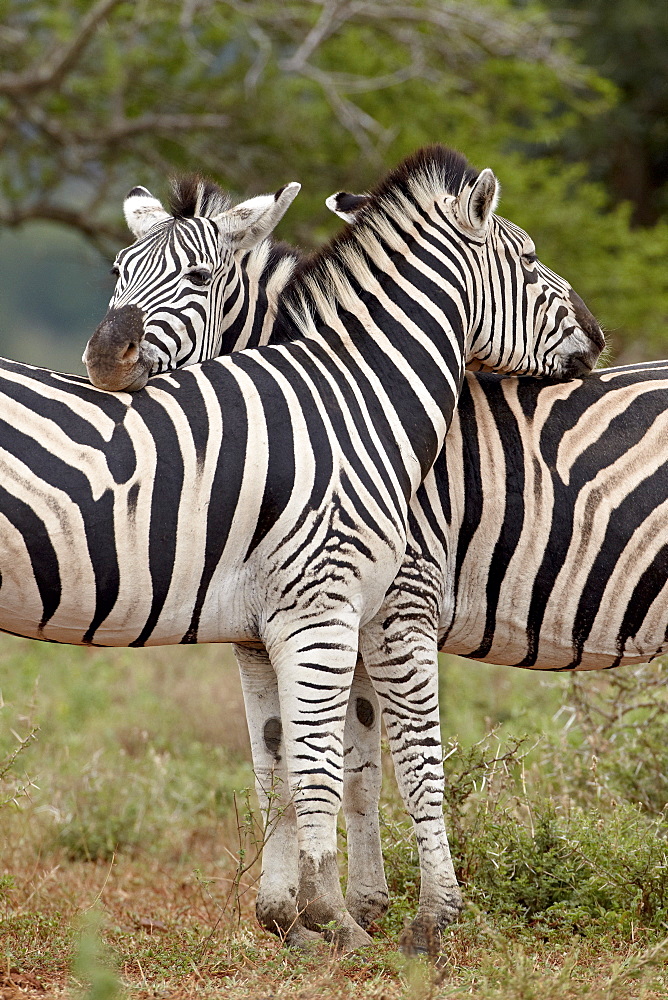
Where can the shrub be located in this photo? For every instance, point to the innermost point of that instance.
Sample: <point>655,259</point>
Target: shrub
<point>533,851</point>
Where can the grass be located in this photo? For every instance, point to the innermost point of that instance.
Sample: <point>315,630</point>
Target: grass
<point>128,865</point>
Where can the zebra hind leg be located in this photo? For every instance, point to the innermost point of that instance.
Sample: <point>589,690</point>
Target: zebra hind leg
<point>402,662</point>
<point>366,892</point>
<point>276,905</point>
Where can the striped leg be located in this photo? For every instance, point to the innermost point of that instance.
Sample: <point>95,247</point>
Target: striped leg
<point>366,891</point>
<point>402,662</point>
<point>276,905</point>
<point>314,663</point>
<point>367,895</point>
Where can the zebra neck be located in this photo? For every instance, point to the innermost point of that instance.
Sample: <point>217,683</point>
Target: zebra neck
<point>252,295</point>
<point>402,348</point>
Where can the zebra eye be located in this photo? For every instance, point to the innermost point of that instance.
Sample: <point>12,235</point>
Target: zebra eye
<point>530,258</point>
<point>200,276</point>
<point>115,270</point>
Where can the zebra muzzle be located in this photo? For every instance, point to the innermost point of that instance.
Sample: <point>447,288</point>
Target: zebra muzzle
<point>116,356</point>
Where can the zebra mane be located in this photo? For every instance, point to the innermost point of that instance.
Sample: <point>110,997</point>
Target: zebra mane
<point>395,204</point>
<point>193,196</point>
<point>272,263</point>
<point>436,167</point>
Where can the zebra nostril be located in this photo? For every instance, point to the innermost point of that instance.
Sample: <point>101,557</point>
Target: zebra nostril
<point>115,350</point>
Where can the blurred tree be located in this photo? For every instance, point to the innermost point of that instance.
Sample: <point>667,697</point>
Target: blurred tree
<point>627,147</point>
<point>98,95</point>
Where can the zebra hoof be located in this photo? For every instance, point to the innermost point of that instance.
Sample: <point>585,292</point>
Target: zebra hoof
<point>348,937</point>
<point>422,937</point>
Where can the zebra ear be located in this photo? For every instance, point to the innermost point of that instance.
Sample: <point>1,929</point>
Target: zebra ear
<point>249,223</point>
<point>346,205</point>
<point>142,211</point>
<point>478,200</point>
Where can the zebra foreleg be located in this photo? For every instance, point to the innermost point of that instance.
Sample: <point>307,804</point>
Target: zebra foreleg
<point>367,896</point>
<point>276,905</point>
<point>314,664</point>
<point>366,891</point>
<point>402,663</point>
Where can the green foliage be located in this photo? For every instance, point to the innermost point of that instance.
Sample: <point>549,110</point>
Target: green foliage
<point>135,749</point>
<point>626,146</point>
<point>106,819</point>
<point>153,86</point>
<point>6,885</point>
<point>257,94</point>
<point>620,719</point>
<point>92,965</point>
<point>55,290</point>
<point>13,788</point>
<point>563,836</point>
<point>538,868</point>
<point>559,839</point>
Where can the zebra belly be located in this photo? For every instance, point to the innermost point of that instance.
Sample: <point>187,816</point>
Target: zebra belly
<point>22,612</point>
<point>581,626</point>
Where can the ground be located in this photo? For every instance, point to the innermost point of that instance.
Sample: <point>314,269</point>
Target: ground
<point>130,839</point>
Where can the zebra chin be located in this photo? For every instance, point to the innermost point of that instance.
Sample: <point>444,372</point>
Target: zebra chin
<point>578,366</point>
<point>117,357</point>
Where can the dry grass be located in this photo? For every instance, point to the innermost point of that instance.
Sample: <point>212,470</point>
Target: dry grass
<point>168,936</point>
<point>145,749</point>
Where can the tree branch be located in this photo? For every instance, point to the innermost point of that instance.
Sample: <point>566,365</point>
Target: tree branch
<point>50,72</point>
<point>102,235</point>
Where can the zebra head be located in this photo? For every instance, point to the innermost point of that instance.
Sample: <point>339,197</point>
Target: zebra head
<point>178,281</point>
<point>527,295</point>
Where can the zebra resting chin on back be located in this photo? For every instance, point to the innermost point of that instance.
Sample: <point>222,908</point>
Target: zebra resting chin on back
<point>430,248</point>
<point>210,287</point>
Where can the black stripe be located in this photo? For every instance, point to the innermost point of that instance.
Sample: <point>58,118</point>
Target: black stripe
<point>107,575</point>
<point>645,592</point>
<point>165,500</point>
<point>513,515</point>
<point>623,522</point>
<point>41,552</point>
<point>227,481</point>
<point>280,479</point>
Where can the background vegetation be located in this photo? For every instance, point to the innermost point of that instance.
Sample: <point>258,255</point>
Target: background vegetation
<point>567,103</point>
<point>130,847</point>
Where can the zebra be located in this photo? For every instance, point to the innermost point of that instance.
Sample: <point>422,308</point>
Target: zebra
<point>489,611</point>
<point>551,502</point>
<point>250,270</point>
<point>418,231</point>
<point>548,522</point>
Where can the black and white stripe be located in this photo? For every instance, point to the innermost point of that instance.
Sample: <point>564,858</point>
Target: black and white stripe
<point>576,549</point>
<point>425,272</point>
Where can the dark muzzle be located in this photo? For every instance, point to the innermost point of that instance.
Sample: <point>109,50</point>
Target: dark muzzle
<point>116,357</point>
<point>587,321</point>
